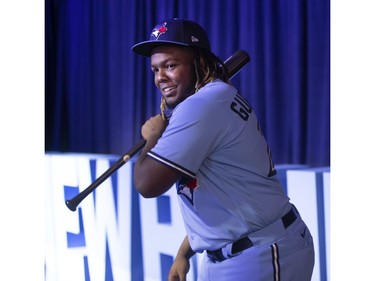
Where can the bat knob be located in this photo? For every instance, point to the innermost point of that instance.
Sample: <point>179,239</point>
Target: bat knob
<point>70,205</point>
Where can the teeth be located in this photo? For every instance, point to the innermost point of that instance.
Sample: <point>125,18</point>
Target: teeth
<point>168,89</point>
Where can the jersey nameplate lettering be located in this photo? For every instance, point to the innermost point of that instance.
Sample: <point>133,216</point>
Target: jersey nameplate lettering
<point>241,107</point>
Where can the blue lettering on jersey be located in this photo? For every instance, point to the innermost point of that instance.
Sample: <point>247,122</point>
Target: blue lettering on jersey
<point>186,187</point>
<point>241,107</point>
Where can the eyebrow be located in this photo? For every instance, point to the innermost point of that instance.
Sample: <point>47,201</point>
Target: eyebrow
<point>165,61</point>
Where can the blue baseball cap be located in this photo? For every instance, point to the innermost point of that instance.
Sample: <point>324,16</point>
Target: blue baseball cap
<point>174,31</point>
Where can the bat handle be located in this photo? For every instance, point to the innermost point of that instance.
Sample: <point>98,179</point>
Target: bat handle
<point>75,201</point>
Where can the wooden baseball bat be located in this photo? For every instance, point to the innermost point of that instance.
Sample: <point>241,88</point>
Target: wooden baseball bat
<point>233,64</point>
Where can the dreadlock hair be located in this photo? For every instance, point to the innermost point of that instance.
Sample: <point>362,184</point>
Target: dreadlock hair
<point>207,67</point>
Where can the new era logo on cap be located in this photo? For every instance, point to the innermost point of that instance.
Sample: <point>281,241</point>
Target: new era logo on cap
<point>194,39</point>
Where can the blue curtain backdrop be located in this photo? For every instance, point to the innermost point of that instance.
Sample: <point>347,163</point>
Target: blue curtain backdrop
<point>98,93</point>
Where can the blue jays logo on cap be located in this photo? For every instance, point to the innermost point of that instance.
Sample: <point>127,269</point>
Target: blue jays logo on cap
<point>159,30</point>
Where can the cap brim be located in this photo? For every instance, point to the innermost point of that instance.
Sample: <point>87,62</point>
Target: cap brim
<point>145,48</point>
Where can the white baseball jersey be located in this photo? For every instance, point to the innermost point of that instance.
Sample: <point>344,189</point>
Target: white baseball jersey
<point>230,187</point>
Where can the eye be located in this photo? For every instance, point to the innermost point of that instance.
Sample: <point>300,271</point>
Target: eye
<point>170,66</point>
<point>154,70</point>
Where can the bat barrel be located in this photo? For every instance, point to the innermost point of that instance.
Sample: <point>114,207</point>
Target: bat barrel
<point>237,61</point>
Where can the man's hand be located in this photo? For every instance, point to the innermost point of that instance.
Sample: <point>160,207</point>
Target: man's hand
<point>181,265</point>
<point>179,269</point>
<point>154,126</point>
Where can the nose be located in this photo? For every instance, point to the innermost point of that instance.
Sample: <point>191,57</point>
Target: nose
<point>160,76</point>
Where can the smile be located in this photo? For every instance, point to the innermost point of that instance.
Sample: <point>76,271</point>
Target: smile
<point>169,89</point>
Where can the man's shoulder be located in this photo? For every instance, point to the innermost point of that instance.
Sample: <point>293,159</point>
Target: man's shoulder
<point>218,83</point>
<point>215,89</point>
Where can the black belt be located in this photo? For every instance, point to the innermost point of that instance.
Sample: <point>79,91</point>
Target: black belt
<point>246,243</point>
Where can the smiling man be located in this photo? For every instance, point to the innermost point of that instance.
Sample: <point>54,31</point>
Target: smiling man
<point>212,148</point>
<point>174,73</point>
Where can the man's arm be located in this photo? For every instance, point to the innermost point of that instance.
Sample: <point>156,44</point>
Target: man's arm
<point>151,177</point>
<point>181,264</point>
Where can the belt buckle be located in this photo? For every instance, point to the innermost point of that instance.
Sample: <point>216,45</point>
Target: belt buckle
<point>223,253</point>
<point>229,251</point>
<point>216,256</point>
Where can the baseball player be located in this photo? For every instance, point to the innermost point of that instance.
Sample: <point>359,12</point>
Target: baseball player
<point>212,148</point>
